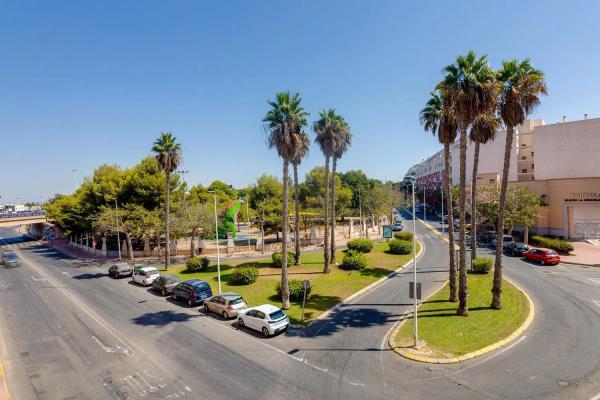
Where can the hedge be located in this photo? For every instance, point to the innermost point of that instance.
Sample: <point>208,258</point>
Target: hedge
<point>296,289</point>
<point>561,246</point>
<point>398,246</point>
<point>361,245</point>
<point>482,265</point>
<point>197,264</point>
<point>244,275</point>
<point>277,256</point>
<point>407,236</point>
<point>354,260</point>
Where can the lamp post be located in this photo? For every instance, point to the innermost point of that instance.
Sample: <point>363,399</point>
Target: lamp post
<point>442,191</point>
<point>74,180</point>
<point>214,193</point>
<point>248,224</point>
<point>416,342</point>
<point>118,236</point>
<point>424,205</point>
<point>360,212</point>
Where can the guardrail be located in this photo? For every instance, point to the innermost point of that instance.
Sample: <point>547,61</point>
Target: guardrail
<point>22,214</point>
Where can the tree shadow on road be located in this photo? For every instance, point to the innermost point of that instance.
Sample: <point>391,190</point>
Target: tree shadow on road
<point>350,317</point>
<point>161,318</point>
<point>90,276</point>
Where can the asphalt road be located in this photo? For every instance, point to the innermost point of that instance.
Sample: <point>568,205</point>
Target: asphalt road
<point>67,331</point>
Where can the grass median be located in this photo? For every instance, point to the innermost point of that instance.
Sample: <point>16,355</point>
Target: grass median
<point>327,289</point>
<point>447,335</point>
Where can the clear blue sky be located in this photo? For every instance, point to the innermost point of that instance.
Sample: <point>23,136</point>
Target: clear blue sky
<point>86,83</point>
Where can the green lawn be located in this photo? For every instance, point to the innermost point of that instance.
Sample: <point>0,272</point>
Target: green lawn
<point>448,335</point>
<point>327,289</point>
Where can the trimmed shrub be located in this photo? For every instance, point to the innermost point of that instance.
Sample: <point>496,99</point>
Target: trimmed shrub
<point>361,245</point>
<point>398,246</point>
<point>276,258</point>
<point>407,236</point>
<point>561,246</point>
<point>354,260</point>
<point>244,275</point>
<point>296,289</point>
<point>482,265</point>
<point>197,264</point>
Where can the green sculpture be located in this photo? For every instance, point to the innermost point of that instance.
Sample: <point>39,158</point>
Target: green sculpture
<point>227,223</point>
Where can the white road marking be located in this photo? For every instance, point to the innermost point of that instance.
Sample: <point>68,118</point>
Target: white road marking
<point>108,349</point>
<point>37,279</point>
<point>595,280</point>
<point>596,302</point>
<point>596,397</point>
<point>494,355</point>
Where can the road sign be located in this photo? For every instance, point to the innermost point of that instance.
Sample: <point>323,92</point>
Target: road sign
<point>411,290</point>
<point>387,232</point>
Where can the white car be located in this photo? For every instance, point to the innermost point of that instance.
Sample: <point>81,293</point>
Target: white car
<point>145,276</point>
<point>266,318</point>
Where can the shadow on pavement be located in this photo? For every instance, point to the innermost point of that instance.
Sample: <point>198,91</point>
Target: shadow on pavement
<point>350,318</point>
<point>161,318</point>
<point>90,276</point>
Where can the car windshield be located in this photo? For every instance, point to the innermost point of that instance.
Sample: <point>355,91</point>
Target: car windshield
<point>152,272</point>
<point>551,252</point>
<point>235,301</point>
<point>11,257</point>
<point>201,286</point>
<point>171,279</point>
<point>508,239</point>
<point>277,315</point>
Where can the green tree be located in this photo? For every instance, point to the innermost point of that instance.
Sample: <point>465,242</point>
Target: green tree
<point>468,89</point>
<point>284,121</point>
<point>522,86</point>
<point>168,155</point>
<point>129,220</point>
<point>437,118</point>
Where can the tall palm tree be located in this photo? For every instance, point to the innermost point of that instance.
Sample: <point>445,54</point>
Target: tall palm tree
<point>302,146</point>
<point>521,88</point>
<point>325,130</point>
<point>437,118</point>
<point>341,144</point>
<point>168,155</point>
<point>483,130</point>
<point>284,121</point>
<point>467,87</point>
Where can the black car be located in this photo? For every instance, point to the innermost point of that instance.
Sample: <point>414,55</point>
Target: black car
<point>164,284</point>
<point>516,249</point>
<point>191,291</point>
<point>120,270</point>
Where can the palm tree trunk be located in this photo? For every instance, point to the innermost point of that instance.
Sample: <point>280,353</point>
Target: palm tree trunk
<point>474,202</point>
<point>497,287</point>
<point>296,217</point>
<point>326,214</point>
<point>333,169</point>
<point>285,290</point>
<point>452,273</point>
<point>463,308</point>
<point>167,211</point>
<point>129,245</point>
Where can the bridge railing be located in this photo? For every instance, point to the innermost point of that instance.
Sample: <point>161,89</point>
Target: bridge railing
<point>22,214</point>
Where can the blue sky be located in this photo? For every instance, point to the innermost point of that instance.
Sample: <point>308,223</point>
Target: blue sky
<point>86,83</point>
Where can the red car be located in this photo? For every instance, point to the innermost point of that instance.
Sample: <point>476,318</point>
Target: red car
<point>543,256</point>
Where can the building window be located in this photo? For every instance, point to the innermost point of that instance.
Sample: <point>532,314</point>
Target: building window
<point>532,166</point>
<point>524,158</point>
<point>491,180</point>
<point>524,170</point>
<point>532,153</point>
<point>523,145</point>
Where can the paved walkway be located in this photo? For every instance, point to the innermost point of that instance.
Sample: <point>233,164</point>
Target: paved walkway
<point>583,254</point>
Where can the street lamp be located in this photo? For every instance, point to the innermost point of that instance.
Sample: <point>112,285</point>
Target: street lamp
<point>74,179</point>
<point>442,191</point>
<point>424,205</point>
<point>412,179</point>
<point>360,212</point>
<point>214,193</point>
<point>248,224</point>
<point>118,237</point>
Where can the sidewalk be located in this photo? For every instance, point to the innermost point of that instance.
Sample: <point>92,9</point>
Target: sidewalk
<point>583,254</point>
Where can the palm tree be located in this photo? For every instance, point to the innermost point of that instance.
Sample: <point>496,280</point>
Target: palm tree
<point>343,140</point>
<point>437,118</point>
<point>168,155</point>
<point>521,87</point>
<point>302,146</point>
<point>467,87</point>
<point>325,130</point>
<point>483,130</point>
<point>284,121</point>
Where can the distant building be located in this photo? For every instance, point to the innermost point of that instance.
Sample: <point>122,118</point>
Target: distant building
<point>560,162</point>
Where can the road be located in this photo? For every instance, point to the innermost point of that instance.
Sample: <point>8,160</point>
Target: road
<point>69,332</point>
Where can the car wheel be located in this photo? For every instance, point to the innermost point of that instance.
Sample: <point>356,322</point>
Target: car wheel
<point>163,292</point>
<point>144,284</point>
<point>265,332</point>
<point>190,303</point>
<point>241,323</point>
<point>174,296</point>
<point>542,262</point>
<point>206,308</point>
<point>225,315</point>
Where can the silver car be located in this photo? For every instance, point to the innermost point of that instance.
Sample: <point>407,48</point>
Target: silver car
<point>226,304</point>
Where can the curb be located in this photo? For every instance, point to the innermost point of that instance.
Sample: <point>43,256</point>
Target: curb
<point>361,291</point>
<point>580,264</point>
<point>485,350</point>
<point>4,395</point>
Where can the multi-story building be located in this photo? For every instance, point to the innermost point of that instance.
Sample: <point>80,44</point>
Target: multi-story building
<point>560,162</point>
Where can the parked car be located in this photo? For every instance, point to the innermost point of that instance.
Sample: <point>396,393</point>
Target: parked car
<point>516,249</point>
<point>119,270</point>
<point>226,304</point>
<point>6,254</point>
<point>10,259</point>
<point>265,318</point>
<point>543,256</point>
<point>145,276</point>
<point>506,239</point>
<point>164,284</point>
<point>191,291</point>
<point>397,226</point>
<point>486,236</point>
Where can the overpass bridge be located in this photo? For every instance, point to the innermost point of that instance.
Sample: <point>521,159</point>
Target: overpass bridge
<point>22,219</point>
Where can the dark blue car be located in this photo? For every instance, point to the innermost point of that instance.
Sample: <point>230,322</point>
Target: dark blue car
<point>192,291</point>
